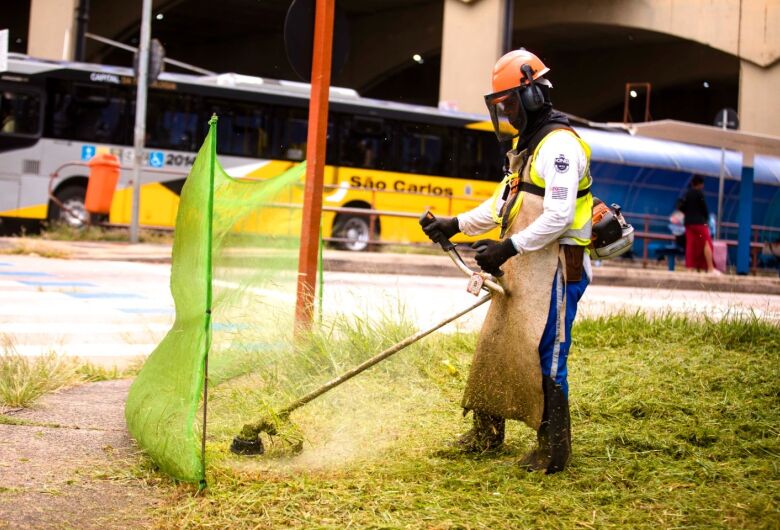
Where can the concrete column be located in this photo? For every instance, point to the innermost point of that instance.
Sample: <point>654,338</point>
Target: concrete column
<point>471,44</point>
<point>759,108</point>
<point>52,29</point>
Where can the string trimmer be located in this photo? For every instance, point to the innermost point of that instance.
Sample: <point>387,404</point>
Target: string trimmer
<point>249,441</point>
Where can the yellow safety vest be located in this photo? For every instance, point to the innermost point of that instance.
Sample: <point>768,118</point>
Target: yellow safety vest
<point>580,230</point>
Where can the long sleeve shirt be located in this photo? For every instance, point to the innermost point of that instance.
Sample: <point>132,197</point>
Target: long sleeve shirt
<point>694,207</point>
<point>561,162</point>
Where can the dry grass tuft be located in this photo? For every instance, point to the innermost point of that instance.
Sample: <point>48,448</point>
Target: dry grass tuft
<point>24,379</point>
<point>63,232</point>
<point>35,248</point>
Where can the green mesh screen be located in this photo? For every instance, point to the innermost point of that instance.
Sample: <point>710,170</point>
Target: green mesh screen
<point>233,280</point>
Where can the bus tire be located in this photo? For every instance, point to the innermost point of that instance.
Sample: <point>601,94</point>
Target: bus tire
<point>357,229</point>
<point>76,214</point>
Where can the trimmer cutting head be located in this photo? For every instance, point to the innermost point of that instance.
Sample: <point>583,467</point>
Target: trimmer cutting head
<point>249,442</point>
<point>243,447</point>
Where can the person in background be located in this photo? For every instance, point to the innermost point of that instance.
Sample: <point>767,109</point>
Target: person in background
<point>698,241</point>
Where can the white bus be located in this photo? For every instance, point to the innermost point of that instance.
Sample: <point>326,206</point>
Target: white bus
<point>380,155</point>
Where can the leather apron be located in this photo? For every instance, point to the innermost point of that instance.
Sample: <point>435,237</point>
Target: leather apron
<point>506,377</point>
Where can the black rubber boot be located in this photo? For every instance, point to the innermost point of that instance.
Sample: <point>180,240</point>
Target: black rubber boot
<point>559,427</point>
<point>487,434</point>
<point>554,435</point>
<point>539,458</point>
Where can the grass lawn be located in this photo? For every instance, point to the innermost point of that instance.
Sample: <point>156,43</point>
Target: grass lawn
<point>675,424</point>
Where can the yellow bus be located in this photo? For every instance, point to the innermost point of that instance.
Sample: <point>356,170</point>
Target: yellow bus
<point>381,155</point>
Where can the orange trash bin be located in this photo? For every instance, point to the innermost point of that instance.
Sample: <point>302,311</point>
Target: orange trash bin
<point>103,177</point>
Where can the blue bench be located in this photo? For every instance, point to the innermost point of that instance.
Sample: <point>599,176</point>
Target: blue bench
<point>670,252</point>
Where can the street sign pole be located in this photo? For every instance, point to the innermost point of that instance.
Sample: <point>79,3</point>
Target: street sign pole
<point>315,163</point>
<point>721,180</point>
<point>3,50</point>
<point>509,24</point>
<point>140,114</point>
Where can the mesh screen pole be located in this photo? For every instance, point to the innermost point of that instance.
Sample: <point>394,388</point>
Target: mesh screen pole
<point>209,249</point>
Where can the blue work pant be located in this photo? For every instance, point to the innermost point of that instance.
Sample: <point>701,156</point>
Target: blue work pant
<point>553,351</point>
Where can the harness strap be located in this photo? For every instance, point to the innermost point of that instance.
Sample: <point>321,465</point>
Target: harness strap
<point>533,189</point>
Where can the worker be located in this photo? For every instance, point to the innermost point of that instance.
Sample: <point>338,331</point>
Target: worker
<point>543,207</point>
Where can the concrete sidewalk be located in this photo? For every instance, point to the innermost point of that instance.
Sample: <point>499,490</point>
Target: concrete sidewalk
<point>617,273</point>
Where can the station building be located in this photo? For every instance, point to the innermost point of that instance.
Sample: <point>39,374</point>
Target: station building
<point>684,60</point>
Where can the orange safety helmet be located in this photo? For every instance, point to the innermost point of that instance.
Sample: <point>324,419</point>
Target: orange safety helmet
<point>515,92</point>
<point>508,72</point>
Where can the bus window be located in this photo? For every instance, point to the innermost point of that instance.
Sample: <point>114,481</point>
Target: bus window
<point>479,157</point>
<point>89,113</point>
<point>20,112</point>
<point>290,131</point>
<point>173,122</point>
<point>365,143</point>
<point>242,129</point>
<point>425,149</point>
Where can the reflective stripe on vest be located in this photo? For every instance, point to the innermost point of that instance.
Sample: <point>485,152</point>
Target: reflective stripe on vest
<point>579,233</point>
<point>494,207</point>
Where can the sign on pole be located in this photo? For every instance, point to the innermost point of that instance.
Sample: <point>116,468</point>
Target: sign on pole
<point>725,119</point>
<point>299,38</point>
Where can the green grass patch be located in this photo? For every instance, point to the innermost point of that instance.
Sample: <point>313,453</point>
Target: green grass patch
<point>10,420</point>
<point>676,423</point>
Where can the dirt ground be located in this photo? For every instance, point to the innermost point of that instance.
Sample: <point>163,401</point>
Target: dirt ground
<point>75,474</point>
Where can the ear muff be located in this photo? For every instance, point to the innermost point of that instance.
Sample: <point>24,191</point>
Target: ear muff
<point>531,96</point>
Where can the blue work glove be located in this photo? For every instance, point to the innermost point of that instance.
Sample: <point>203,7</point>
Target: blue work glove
<point>440,228</point>
<point>492,254</point>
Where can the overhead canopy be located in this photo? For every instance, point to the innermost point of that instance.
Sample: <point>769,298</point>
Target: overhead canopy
<point>623,148</point>
<point>750,144</point>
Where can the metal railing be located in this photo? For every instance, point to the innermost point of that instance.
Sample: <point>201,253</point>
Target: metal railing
<point>756,245</point>
<point>647,221</point>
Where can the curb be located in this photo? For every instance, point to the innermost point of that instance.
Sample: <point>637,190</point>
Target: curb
<point>610,275</point>
<point>426,265</point>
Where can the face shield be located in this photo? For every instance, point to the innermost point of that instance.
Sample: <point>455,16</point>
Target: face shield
<point>507,113</point>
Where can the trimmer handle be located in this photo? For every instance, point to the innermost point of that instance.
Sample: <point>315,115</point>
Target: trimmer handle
<point>427,218</point>
<point>491,284</point>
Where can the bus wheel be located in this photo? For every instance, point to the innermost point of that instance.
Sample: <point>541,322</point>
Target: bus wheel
<point>74,214</point>
<point>356,229</point>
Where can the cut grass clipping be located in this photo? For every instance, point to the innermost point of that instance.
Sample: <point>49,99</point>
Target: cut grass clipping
<point>675,424</point>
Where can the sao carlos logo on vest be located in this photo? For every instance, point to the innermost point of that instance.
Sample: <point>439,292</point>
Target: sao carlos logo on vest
<point>561,164</point>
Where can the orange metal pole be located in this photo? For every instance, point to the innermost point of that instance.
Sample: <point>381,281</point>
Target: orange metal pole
<point>315,165</point>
